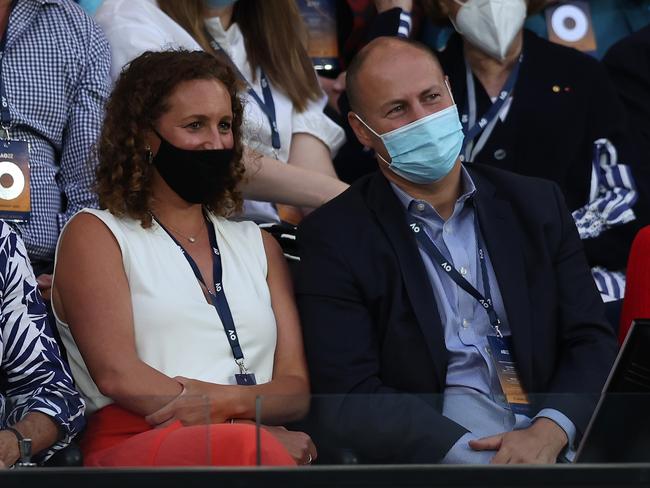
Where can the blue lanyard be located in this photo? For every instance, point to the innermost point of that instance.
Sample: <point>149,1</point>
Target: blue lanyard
<point>469,112</point>
<point>437,257</point>
<point>267,105</point>
<point>218,300</point>
<point>5,115</point>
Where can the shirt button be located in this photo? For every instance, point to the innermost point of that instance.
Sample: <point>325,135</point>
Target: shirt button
<point>463,270</point>
<point>500,154</point>
<point>420,207</point>
<point>465,323</point>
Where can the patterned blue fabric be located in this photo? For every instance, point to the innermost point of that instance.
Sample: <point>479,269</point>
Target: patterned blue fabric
<point>611,201</point>
<point>56,74</point>
<point>33,377</point>
<point>405,24</point>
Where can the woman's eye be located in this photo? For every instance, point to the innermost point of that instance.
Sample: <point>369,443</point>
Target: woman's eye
<point>193,125</point>
<point>225,126</point>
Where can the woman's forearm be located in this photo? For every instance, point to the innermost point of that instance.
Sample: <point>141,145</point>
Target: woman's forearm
<point>285,399</point>
<point>270,180</point>
<point>138,387</point>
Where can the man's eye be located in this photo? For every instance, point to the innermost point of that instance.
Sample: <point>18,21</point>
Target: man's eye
<point>432,97</point>
<point>395,110</point>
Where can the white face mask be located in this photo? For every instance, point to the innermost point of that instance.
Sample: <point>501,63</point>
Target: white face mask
<point>491,25</point>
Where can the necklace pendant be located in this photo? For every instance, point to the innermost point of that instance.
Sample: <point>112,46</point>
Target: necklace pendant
<point>192,239</point>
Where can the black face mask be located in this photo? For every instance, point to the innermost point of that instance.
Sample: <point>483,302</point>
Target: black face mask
<point>195,175</point>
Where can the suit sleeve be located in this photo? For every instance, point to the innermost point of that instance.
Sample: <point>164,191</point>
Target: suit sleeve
<point>586,341</point>
<point>344,353</point>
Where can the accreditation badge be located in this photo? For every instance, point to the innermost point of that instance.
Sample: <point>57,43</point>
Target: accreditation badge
<point>504,363</point>
<point>15,203</point>
<point>570,24</point>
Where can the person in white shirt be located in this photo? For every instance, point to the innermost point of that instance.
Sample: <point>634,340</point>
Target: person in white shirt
<point>264,41</point>
<point>176,319</point>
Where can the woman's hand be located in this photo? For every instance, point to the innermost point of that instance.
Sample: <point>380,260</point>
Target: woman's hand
<point>298,444</point>
<point>199,403</point>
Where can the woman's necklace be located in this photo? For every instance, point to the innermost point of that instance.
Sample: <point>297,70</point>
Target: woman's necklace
<point>190,238</point>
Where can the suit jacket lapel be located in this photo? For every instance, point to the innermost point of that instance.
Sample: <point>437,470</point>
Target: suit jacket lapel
<point>502,237</point>
<point>391,217</point>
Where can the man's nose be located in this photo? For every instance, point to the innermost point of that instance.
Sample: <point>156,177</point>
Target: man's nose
<point>419,111</point>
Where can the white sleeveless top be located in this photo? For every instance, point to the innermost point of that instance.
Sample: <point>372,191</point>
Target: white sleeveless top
<point>176,330</point>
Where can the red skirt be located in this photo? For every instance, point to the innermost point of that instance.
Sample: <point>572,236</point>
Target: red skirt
<point>116,437</point>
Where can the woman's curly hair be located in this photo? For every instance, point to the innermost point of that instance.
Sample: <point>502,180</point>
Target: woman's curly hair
<point>139,98</point>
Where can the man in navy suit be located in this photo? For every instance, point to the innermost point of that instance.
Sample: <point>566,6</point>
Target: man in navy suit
<point>450,308</point>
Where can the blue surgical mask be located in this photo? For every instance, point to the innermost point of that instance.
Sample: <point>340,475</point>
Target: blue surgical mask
<point>218,3</point>
<point>425,150</point>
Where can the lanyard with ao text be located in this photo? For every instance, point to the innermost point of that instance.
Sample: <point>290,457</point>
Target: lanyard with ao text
<point>437,257</point>
<point>267,105</point>
<point>219,301</point>
<point>484,126</point>
<point>500,345</point>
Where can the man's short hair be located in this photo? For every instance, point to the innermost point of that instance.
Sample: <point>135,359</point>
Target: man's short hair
<point>352,82</point>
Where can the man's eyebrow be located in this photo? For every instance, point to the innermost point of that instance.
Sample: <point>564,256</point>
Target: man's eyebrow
<point>434,87</point>
<point>390,103</point>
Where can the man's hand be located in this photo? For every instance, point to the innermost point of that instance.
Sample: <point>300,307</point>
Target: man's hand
<point>541,443</point>
<point>44,283</point>
<point>9,452</point>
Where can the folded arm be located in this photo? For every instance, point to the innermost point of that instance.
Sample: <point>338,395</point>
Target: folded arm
<point>42,400</point>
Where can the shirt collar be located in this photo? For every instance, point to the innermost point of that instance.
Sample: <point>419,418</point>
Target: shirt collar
<point>225,38</point>
<point>468,189</point>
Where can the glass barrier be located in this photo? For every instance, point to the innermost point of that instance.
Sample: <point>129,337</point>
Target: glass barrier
<point>376,429</point>
<point>437,429</point>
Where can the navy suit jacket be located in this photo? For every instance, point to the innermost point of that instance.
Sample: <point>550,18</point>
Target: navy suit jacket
<point>371,325</point>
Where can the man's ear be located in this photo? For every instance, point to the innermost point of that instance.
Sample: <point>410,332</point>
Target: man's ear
<point>364,136</point>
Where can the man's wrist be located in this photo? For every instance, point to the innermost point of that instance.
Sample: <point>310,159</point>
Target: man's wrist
<point>9,448</point>
<point>552,431</point>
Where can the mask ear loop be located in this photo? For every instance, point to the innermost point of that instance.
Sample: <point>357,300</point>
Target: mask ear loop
<point>451,95</point>
<point>377,135</point>
<point>366,125</point>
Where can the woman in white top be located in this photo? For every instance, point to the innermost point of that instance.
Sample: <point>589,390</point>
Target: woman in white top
<point>265,41</point>
<point>173,316</point>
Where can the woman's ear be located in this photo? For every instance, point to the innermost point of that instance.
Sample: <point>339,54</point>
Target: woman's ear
<point>152,142</point>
